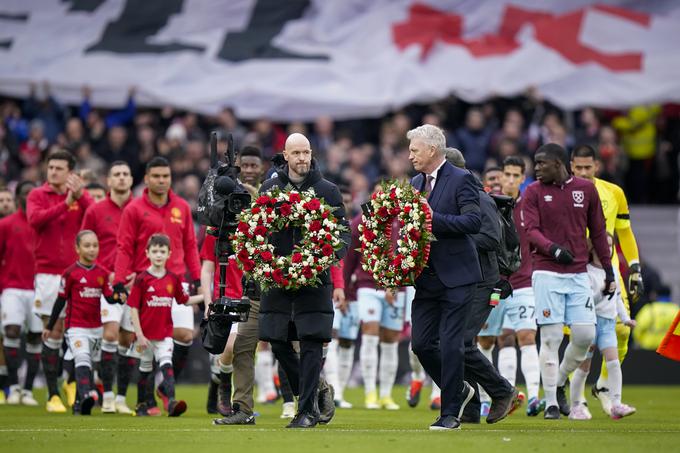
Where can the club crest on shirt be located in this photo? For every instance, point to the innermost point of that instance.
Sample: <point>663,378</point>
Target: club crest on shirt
<point>105,312</point>
<point>176,215</point>
<point>100,280</point>
<point>77,343</point>
<point>37,303</point>
<point>546,313</point>
<point>578,197</point>
<point>170,288</point>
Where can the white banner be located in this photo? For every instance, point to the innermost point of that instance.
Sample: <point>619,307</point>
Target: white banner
<point>298,59</point>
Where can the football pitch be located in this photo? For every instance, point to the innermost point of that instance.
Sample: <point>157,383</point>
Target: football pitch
<point>654,429</point>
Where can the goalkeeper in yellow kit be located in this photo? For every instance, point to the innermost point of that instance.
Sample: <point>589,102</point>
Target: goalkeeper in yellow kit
<point>585,164</point>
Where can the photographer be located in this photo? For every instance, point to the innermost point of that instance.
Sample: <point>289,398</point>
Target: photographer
<point>306,314</point>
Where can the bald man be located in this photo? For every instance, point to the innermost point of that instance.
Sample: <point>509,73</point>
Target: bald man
<point>307,314</point>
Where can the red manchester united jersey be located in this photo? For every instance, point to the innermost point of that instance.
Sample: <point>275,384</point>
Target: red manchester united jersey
<point>153,296</point>
<point>234,287</point>
<point>83,287</point>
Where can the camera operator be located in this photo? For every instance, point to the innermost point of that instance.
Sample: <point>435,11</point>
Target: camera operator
<point>306,314</point>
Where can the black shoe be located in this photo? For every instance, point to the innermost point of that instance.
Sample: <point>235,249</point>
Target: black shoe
<point>501,407</point>
<point>467,394</point>
<point>562,401</point>
<point>326,402</point>
<point>445,423</point>
<point>141,410</point>
<point>76,407</point>
<point>235,418</point>
<point>469,419</point>
<point>87,404</point>
<point>176,408</point>
<point>211,405</point>
<point>224,404</point>
<point>303,420</point>
<point>551,413</point>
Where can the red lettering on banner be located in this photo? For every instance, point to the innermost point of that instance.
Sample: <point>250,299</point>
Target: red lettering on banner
<point>426,25</point>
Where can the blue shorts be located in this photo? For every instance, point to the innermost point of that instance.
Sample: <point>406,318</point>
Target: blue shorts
<point>494,323</point>
<point>347,325</point>
<point>520,310</point>
<point>374,308</point>
<point>605,335</point>
<point>563,298</point>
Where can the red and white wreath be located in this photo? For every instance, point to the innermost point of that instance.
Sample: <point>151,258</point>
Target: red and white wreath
<point>396,266</point>
<point>275,211</point>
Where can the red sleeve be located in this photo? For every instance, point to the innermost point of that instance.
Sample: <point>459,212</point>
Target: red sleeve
<point>352,260</point>
<point>598,229</point>
<point>107,289</point>
<point>3,240</point>
<point>532,221</point>
<point>38,214</point>
<point>65,285</point>
<point>135,298</point>
<point>85,201</point>
<point>191,247</point>
<point>208,248</point>
<point>126,245</point>
<point>181,295</point>
<point>89,221</point>
<point>337,275</point>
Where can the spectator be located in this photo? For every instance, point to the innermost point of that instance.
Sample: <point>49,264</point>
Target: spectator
<point>474,139</point>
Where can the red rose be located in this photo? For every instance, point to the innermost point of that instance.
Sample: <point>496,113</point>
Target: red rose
<point>397,260</point>
<point>324,215</point>
<point>260,231</point>
<point>394,211</point>
<point>319,268</point>
<point>248,265</point>
<point>415,253</point>
<point>285,282</point>
<point>277,275</point>
<point>269,210</point>
<point>266,256</point>
<point>369,235</point>
<point>297,257</point>
<point>307,272</point>
<point>255,210</point>
<point>285,209</point>
<point>415,234</point>
<point>312,204</point>
<point>329,237</point>
<point>374,196</point>
<point>315,226</point>
<point>294,197</point>
<point>263,199</point>
<point>243,227</point>
<point>243,255</point>
<point>383,212</point>
<point>327,250</point>
<point>407,209</point>
<point>376,250</point>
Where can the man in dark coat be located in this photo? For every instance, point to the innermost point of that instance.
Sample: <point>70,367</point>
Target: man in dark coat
<point>306,314</point>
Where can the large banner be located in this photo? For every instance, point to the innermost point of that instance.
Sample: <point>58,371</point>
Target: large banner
<point>298,59</point>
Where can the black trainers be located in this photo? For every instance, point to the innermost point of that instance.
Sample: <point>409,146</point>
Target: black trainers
<point>562,401</point>
<point>141,410</point>
<point>176,408</point>
<point>304,420</point>
<point>501,407</point>
<point>88,403</point>
<point>235,418</point>
<point>446,423</point>
<point>326,402</point>
<point>211,404</point>
<point>551,413</point>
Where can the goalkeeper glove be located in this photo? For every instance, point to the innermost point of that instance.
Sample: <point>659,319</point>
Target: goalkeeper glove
<point>636,286</point>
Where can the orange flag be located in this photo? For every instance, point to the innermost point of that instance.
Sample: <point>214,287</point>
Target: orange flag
<point>670,345</point>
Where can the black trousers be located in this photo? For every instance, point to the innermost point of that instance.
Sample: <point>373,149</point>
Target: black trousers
<point>303,372</point>
<point>438,317</point>
<point>478,369</point>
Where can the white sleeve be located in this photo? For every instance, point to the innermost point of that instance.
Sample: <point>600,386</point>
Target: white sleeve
<point>621,309</point>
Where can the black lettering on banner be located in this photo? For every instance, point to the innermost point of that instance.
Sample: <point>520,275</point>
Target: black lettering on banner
<point>88,6</point>
<point>266,22</point>
<point>139,21</point>
<point>11,17</point>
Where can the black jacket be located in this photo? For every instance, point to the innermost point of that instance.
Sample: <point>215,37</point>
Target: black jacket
<point>488,240</point>
<point>309,309</point>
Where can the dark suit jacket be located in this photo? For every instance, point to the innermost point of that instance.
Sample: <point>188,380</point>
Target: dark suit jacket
<point>455,202</point>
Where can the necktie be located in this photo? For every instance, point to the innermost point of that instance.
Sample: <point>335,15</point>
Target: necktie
<point>428,186</point>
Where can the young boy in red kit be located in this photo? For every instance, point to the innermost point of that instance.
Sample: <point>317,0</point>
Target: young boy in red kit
<point>81,289</point>
<point>150,301</point>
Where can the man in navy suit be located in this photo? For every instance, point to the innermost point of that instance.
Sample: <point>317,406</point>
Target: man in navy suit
<point>445,289</point>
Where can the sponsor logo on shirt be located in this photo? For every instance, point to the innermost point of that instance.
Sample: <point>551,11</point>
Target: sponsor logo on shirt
<point>87,292</point>
<point>157,301</point>
<point>547,198</point>
<point>176,215</point>
<point>578,197</point>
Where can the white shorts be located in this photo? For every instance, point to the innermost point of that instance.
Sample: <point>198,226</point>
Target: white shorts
<point>111,312</point>
<point>161,350</point>
<point>17,307</point>
<point>182,316</point>
<point>374,308</point>
<point>84,344</point>
<point>46,292</point>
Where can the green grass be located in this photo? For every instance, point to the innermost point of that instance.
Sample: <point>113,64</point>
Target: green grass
<point>654,429</point>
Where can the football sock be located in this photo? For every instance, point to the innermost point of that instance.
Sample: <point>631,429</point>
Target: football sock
<point>389,361</point>
<point>83,381</point>
<point>577,386</point>
<point>50,363</point>
<point>69,367</point>
<point>615,381</point>
<point>436,392</point>
<point>582,336</point>
<point>32,364</point>
<point>530,369</point>
<point>345,363</point>
<point>108,364</point>
<point>417,371</point>
<point>13,359</point>
<point>226,372</point>
<point>488,353</point>
<point>330,367</point>
<point>142,383</point>
<point>507,364</point>
<point>548,357</point>
<point>126,366</point>
<point>368,356</point>
<point>180,353</point>
<point>264,372</point>
<point>168,384</point>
